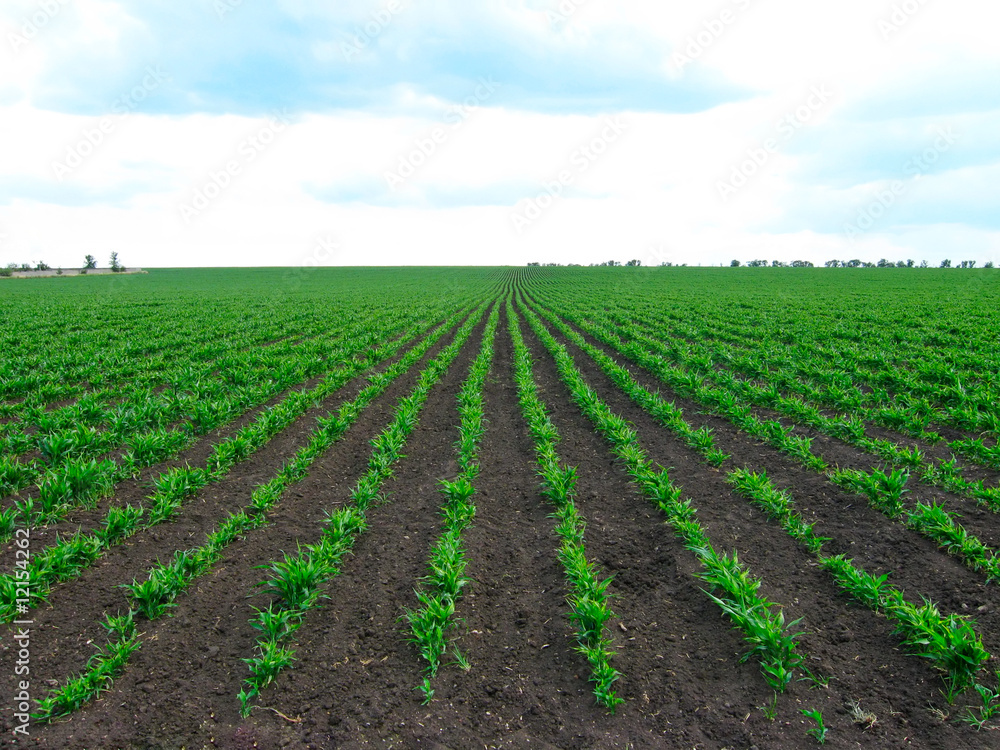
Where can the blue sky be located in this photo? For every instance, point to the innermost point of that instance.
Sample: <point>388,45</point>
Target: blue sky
<point>222,132</point>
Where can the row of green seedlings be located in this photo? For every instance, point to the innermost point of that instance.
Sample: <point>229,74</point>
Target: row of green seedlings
<point>851,429</point>
<point>105,365</point>
<point>884,490</point>
<point>296,580</point>
<point>664,412</point>
<point>91,408</point>
<point>907,414</point>
<point>950,642</point>
<point>139,421</point>
<point>978,451</point>
<point>78,482</point>
<point>909,411</point>
<point>733,588</point>
<point>70,431</point>
<point>44,378</point>
<point>960,405</point>
<point>165,582</point>
<point>588,590</point>
<point>69,557</point>
<point>144,409</point>
<point>441,589</point>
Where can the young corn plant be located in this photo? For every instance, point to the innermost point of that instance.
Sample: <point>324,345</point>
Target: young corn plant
<point>152,597</point>
<point>778,505</point>
<point>884,491</point>
<point>149,448</point>
<point>819,731</point>
<point>296,579</point>
<point>428,625</point>
<point>15,475</point>
<point>764,629</point>
<point>978,451</point>
<point>68,557</point>
<point>268,663</point>
<point>119,523</point>
<point>770,709</point>
<point>950,642</point>
<point>988,708</point>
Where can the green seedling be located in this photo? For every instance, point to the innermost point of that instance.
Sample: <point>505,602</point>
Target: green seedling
<point>770,708</point>
<point>276,623</point>
<point>461,660</point>
<point>988,709</point>
<point>297,579</point>
<point>426,690</point>
<point>272,659</point>
<point>819,731</point>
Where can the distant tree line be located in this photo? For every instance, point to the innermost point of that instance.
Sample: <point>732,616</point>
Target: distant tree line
<point>89,263</point>
<point>607,263</point>
<point>883,263</point>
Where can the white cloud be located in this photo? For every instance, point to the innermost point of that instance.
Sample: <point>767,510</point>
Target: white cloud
<point>651,193</point>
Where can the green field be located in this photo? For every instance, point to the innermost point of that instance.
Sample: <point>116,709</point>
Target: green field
<point>571,507</point>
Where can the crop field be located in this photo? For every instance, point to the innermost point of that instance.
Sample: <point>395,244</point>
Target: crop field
<point>501,507</point>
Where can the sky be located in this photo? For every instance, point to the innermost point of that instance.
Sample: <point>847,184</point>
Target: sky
<point>396,132</point>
